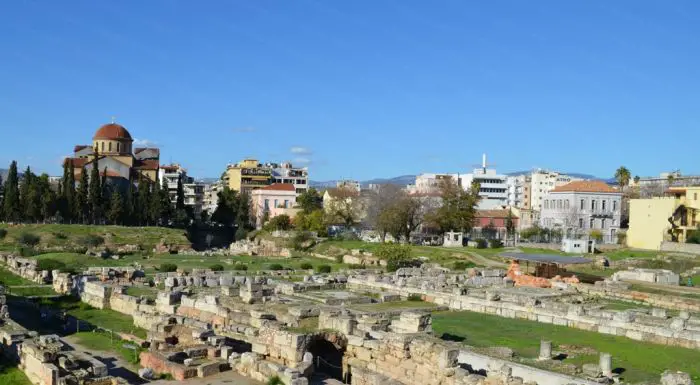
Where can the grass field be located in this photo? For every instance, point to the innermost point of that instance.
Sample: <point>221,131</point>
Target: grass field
<point>39,291</point>
<point>65,235</point>
<point>104,318</point>
<point>642,362</point>
<point>139,291</point>
<point>9,279</point>
<point>105,343</point>
<point>10,374</point>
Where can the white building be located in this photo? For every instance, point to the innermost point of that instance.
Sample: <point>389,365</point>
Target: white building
<point>286,173</point>
<point>493,186</point>
<point>194,191</point>
<point>579,207</point>
<point>519,191</point>
<point>211,196</point>
<point>544,181</point>
<point>346,183</point>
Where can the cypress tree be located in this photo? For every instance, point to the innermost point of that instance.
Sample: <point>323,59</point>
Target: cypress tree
<point>32,203</point>
<point>47,198</point>
<point>95,195</point>
<point>166,204</point>
<point>81,198</point>
<point>180,198</point>
<point>155,208</point>
<point>129,209</point>
<point>116,208</point>
<point>143,200</point>
<point>24,198</point>
<point>11,205</point>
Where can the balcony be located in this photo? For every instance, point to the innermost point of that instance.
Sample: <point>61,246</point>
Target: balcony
<point>260,172</point>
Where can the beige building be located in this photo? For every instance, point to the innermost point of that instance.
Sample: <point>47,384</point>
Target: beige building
<point>666,219</point>
<point>247,175</point>
<point>113,144</point>
<point>273,200</point>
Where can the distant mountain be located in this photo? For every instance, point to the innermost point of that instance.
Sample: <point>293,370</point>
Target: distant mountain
<point>3,174</point>
<point>404,180</point>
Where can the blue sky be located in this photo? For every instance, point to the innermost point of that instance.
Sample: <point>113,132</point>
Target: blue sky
<point>358,89</point>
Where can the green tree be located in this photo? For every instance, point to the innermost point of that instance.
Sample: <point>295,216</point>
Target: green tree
<point>226,210</point>
<point>116,208</point>
<point>345,205</point>
<point>143,200</point>
<point>129,205</point>
<point>66,195</point>
<point>310,200</point>
<point>636,179</point>
<point>81,198</point>
<point>280,222</point>
<point>95,191</point>
<point>25,200</point>
<point>313,221</point>
<point>458,208</point>
<point>180,198</point>
<point>243,222</point>
<point>166,206</point>
<point>11,203</point>
<point>510,225</point>
<point>155,208</point>
<point>47,198</point>
<point>396,255</point>
<point>622,176</point>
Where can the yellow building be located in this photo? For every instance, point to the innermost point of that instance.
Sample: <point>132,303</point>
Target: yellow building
<point>668,219</point>
<point>247,175</point>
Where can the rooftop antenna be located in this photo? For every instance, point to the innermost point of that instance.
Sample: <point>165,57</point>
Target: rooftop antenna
<point>484,165</point>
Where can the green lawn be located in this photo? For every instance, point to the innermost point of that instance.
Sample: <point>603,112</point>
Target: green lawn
<point>140,291</point>
<point>10,374</point>
<point>642,362</point>
<point>627,253</point>
<point>105,343</point>
<point>306,325</point>
<point>10,279</point>
<point>63,234</point>
<point>32,291</point>
<point>105,318</point>
<point>647,289</point>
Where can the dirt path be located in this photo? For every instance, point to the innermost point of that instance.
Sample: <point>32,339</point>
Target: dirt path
<point>668,288</point>
<point>481,260</point>
<point>116,366</point>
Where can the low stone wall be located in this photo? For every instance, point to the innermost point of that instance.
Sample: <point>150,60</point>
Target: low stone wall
<point>96,294</point>
<point>160,364</point>
<point>663,277</point>
<point>666,332</point>
<point>675,247</point>
<point>664,301</point>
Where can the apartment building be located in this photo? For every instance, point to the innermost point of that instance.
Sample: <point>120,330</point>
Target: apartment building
<point>544,181</point>
<point>211,196</point>
<point>347,183</point>
<point>286,173</point>
<point>273,200</point>
<point>247,175</point>
<point>429,182</point>
<point>193,191</point>
<point>579,207</point>
<point>519,191</point>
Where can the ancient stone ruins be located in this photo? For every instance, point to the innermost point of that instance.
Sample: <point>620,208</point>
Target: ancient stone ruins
<point>263,325</point>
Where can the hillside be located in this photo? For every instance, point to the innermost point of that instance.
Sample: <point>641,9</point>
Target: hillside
<point>60,235</point>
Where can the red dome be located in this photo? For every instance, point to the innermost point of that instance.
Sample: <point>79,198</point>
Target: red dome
<point>112,131</point>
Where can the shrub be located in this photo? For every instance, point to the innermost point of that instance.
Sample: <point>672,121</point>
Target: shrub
<point>50,264</point>
<point>275,266</point>
<point>241,233</point>
<point>356,266</point>
<point>481,243</point>
<point>323,269</point>
<point>306,266</point>
<point>28,239</point>
<point>60,235</point>
<point>495,243</point>
<point>26,251</point>
<point>167,267</point>
<point>280,222</point>
<point>301,241</point>
<point>91,240</point>
<point>240,267</point>
<point>596,234</point>
<point>415,298</point>
<point>462,265</point>
<point>275,380</point>
<point>347,235</point>
<point>396,255</point>
<point>622,239</point>
<point>217,267</point>
<point>339,258</point>
<point>3,233</point>
<point>694,237</point>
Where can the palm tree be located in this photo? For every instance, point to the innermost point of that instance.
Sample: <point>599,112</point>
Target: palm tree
<point>636,179</point>
<point>622,175</point>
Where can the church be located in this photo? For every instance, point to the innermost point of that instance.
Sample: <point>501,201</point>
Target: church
<point>114,146</point>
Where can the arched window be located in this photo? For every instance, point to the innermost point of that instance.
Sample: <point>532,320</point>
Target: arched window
<point>118,147</point>
<point>103,147</point>
<point>110,146</point>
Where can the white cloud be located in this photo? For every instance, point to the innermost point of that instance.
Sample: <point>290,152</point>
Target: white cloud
<point>245,129</point>
<point>300,150</point>
<point>302,161</point>
<point>144,143</point>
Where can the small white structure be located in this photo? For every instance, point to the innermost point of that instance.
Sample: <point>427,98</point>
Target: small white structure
<point>578,246</point>
<point>453,239</point>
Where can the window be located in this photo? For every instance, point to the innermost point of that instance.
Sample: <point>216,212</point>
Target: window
<point>559,203</point>
<point>103,147</point>
<point>275,202</point>
<point>602,206</point>
<point>695,196</point>
<point>583,204</point>
<point>602,223</point>
<point>566,204</point>
<point>110,146</point>
<point>580,222</point>
<point>593,204</point>
<point>267,204</point>
<point>614,222</point>
<point>592,224</point>
<point>119,147</point>
<point>286,203</point>
<point>614,206</point>
<point>546,204</point>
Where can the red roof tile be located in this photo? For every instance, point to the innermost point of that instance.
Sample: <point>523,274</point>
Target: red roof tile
<point>280,187</point>
<point>112,131</point>
<point>146,164</point>
<point>585,186</point>
<point>497,213</point>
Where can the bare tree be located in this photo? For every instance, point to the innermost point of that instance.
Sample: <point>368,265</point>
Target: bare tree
<point>651,190</point>
<point>345,205</point>
<point>573,222</point>
<point>378,202</point>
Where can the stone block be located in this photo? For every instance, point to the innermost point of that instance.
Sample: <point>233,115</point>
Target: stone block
<point>675,378</point>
